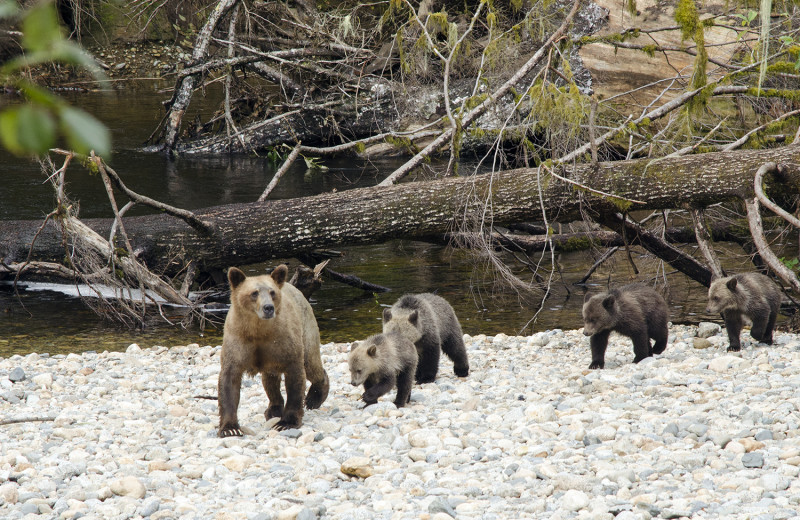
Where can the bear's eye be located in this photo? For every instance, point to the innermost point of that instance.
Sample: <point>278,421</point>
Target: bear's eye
<point>272,293</point>
<point>254,295</point>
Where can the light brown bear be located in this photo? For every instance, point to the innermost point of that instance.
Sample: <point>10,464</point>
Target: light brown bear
<point>744,297</point>
<point>382,362</point>
<point>430,323</point>
<point>634,310</point>
<point>270,329</point>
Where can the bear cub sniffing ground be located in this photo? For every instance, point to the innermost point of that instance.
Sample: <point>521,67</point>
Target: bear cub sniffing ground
<point>382,362</point>
<point>270,329</point>
<point>636,311</point>
<point>744,297</point>
<point>430,323</point>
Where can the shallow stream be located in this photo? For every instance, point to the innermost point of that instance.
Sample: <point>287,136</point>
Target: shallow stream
<point>49,321</point>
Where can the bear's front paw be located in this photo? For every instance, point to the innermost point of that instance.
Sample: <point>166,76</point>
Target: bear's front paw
<point>733,348</point>
<point>597,364</point>
<point>461,371</point>
<point>231,431</point>
<point>286,425</point>
<point>368,400</point>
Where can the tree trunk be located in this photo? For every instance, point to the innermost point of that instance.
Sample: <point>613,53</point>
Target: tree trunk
<point>250,233</point>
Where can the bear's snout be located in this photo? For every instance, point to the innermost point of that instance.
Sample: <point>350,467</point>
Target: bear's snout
<point>353,383</point>
<point>587,332</point>
<point>268,311</point>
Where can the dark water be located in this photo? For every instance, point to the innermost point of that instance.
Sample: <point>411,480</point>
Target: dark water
<point>45,321</point>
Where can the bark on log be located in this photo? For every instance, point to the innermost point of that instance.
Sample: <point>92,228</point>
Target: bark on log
<point>255,232</point>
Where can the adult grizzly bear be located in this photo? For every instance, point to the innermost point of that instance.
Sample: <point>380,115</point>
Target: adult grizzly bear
<point>430,323</point>
<point>270,329</point>
<point>636,311</point>
<point>744,297</point>
<point>382,362</point>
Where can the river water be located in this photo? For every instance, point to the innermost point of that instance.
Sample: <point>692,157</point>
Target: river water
<point>50,321</point>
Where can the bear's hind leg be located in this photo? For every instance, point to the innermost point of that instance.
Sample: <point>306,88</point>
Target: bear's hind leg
<point>453,346</point>
<point>318,392</point>
<point>763,324</point>
<point>272,385</point>
<point>660,338</point>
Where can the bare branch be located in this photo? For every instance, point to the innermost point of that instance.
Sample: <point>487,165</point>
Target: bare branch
<point>703,237</point>
<point>187,216</point>
<point>283,169</point>
<point>476,112</point>
<point>757,230</point>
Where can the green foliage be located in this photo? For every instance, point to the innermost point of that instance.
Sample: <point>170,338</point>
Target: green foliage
<point>186,31</point>
<point>791,263</point>
<point>687,17</point>
<point>274,155</point>
<point>35,126</point>
<point>313,163</point>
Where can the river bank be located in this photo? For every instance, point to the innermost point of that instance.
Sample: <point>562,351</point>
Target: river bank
<point>530,433</point>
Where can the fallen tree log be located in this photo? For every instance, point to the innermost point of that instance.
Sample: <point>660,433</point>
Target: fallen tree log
<point>255,232</point>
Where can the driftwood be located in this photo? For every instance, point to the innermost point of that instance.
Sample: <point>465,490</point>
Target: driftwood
<point>251,233</point>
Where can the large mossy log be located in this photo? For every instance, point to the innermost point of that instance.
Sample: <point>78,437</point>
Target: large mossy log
<point>248,233</point>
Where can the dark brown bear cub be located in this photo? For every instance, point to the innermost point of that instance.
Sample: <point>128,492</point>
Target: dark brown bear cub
<point>382,362</point>
<point>636,311</point>
<point>430,323</point>
<point>744,297</point>
<point>270,330</point>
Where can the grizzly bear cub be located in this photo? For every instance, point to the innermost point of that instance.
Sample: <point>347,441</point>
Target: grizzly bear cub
<point>636,311</point>
<point>270,329</point>
<point>744,297</point>
<point>382,362</point>
<point>430,323</point>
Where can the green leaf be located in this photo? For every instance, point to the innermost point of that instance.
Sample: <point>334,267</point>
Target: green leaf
<point>84,132</point>
<point>36,130</point>
<point>8,131</point>
<point>40,28</point>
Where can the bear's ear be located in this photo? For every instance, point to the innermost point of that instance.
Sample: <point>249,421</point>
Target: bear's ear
<point>279,274</point>
<point>387,315</point>
<point>353,346</point>
<point>413,317</point>
<point>235,277</point>
<point>372,350</point>
<point>608,302</point>
<point>731,284</point>
<point>587,297</point>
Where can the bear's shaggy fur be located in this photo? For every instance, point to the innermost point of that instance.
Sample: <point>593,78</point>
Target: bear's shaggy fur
<point>430,323</point>
<point>382,362</point>
<point>745,297</point>
<point>270,329</point>
<point>636,311</point>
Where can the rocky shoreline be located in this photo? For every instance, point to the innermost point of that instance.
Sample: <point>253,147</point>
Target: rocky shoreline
<point>530,433</point>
